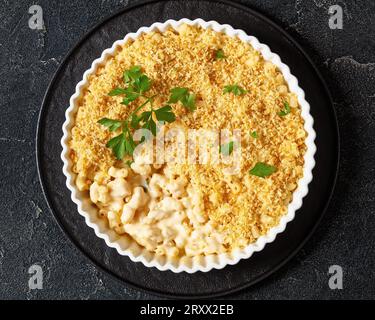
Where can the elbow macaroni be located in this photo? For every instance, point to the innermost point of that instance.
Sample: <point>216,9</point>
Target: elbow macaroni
<point>166,218</point>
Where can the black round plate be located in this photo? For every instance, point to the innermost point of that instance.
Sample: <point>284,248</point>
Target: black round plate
<point>215,282</point>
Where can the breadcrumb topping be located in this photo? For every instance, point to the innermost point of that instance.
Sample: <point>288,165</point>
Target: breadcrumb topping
<point>242,207</point>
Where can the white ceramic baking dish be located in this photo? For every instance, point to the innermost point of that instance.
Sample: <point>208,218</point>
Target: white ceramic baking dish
<point>128,247</point>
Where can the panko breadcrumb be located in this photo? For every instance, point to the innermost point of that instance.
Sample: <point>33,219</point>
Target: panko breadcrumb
<point>241,207</point>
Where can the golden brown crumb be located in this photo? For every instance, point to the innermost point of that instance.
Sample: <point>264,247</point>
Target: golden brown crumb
<point>242,206</point>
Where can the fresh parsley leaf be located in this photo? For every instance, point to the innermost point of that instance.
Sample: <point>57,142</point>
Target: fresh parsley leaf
<point>286,110</point>
<point>145,116</point>
<point>134,122</point>
<point>112,125</point>
<point>132,74</point>
<point>117,92</point>
<point>165,114</point>
<point>150,125</point>
<point>254,134</point>
<point>182,94</point>
<point>262,170</point>
<point>130,96</point>
<point>122,145</point>
<point>129,145</point>
<point>235,89</point>
<point>190,102</point>
<point>138,83</point>
<point>120,149</point>
<point>117,144</point>
<point>219,54</point>
<point>227,148</point>
<point>142,84</point>
<point>177,94</point>
<point>162,114</point>
<point>114,141</point>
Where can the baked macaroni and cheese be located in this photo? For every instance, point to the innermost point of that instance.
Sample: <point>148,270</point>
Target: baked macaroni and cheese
<point>189,142</point>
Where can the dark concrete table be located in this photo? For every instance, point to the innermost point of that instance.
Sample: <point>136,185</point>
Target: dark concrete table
<point>28,232</point>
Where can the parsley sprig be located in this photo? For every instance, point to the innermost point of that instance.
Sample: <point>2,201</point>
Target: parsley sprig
<point>182,94</point>
<point>219,54</point>
<point>286,110</point>
<point>137,85</point>
<point>235,89</point>
<point>262,170</point>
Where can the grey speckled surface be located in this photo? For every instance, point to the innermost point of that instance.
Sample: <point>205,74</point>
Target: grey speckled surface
<point>28,233</point>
